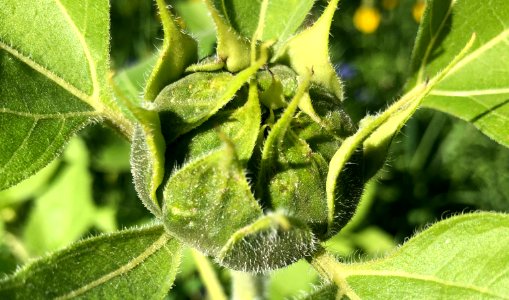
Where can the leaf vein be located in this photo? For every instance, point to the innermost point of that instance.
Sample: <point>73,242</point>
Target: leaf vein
<point>50,75</point>
<point>434,37</point>
<point>158,244</point>
<point>86,50</point>
<point>467,93</point>
<point>421,277</point>
<point>501,37</point>
<point>42,116</point>
<point>24,142</point>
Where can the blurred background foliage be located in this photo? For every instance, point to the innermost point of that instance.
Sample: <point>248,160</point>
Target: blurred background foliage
<point>438,166</point>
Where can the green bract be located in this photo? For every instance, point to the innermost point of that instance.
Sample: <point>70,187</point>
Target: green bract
<point>248,149</point>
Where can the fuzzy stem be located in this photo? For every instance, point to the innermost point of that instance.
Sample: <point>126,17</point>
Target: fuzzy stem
<point>246,286</point>
<point>208,276</point>
<point>332,270</point>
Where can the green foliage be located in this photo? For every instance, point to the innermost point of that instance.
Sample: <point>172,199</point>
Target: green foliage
<point>179,50</point>
<point>474,242</point>
<point>32,70</point>
<point>199,24</point>
<point>249,155</point>
<point>132,263</point>
<point>219,200</point>
<point>481,99</point>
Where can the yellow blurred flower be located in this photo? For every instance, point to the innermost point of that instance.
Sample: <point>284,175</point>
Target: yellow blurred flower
<point>389,4</point>
<point>418,10</point>
<point>366,19</point>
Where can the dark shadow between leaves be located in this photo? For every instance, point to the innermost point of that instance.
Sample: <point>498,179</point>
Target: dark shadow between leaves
<point>489,111</point>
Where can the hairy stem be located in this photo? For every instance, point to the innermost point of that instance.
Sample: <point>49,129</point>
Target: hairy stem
<point>247,286</point>
<point>332,270</point>
<point>208,276</point>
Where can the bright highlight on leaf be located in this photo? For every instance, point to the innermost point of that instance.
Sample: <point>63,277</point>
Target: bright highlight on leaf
<point>308,51</point>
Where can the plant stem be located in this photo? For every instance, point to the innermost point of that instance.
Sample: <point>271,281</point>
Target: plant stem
<point>246,286</point>
<point>208,276</point>
<point>332,270</point>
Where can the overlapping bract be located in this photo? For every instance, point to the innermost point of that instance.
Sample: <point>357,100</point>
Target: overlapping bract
<point>247,153</point>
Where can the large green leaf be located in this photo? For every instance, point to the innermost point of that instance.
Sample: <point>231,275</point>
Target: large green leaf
<point>477,88</point>
<point>53,79</point>
<point>464,257</point>
<point>131,264</point>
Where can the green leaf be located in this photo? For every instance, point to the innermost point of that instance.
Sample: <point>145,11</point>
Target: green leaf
<point>147,160</point>
<point>232,48</point>
<point>208,200</point>
<point>199,24</point>
<point>66,210</point>
<point>136,263</point>
<point>282,17</point>
<point>295,181</point>
<point>189,102</point>
<point>240,126</point>
<point>346,175</point>
<point>179,50</point>
<point>32,135</point>
<point>274,140</point>
<point>291,281</point>
<point>240,15</point>
<point>463,257</point>
<point>148,146</point>
<point>477,88</point>
<point>48,93</point>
